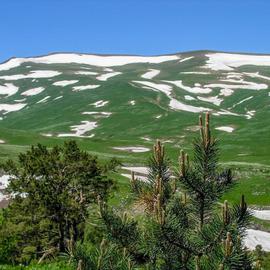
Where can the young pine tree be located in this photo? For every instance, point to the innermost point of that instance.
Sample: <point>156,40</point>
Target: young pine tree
<point>184,226</point>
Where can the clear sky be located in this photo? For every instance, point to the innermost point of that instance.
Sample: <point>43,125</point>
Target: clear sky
<point>145,27</point>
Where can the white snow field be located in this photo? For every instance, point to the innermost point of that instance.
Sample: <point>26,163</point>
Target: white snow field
<point>31,75</point>
<point>256,237</point>
<point>33,91</point>
<point>8,89</point>
<point>65,82</point>
<point>150,74</point>
<point>94,60</point>
<point>105,77</point>
<point>80,130</point>
<point>85,87</point>
<point>11,107</point>
<point>132,149</point>
<point>226,129</point>
<point>227,61</point>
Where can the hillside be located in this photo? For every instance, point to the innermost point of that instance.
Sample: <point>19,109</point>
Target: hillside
<point>119,105</point>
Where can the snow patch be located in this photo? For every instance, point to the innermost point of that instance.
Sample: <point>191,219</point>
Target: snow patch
<point>138,177</point>
<point>94,60</point>
<point>44,100</point>
<point>177,105</point>
<point>166,89</point>
<point>151,74</point>
<point>227,129</point>
<point>80,130</point>
<point>11,107</point>
<point>194,90</point>
<point>227,61</point>
<point>58,98</point>
<point>256,237</point>
<point>46,134</point>
<point>185,59</point>
<point>241,101</point>
<point>65,82</point>
<point>4,180</point>
<point>85,87</point>
<point>261,214</point>
<point>8,89</point>
<point>226,92</point>
<point>257,75</point>
<point>187,97</point>
<point>247,85</point>
<point>107,114</point>
<point>105,77</point>
<point>33,91</point>
<point>32,74</point>
<point>100,103</point>
<point>215,100</point>
<point>195,72</point>
<point>86,73</point>
<point>142,170</point>
<point>132,149</point>
<point>250,114</point>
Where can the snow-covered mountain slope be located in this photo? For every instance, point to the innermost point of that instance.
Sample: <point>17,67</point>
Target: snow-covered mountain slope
<point>122,100</point>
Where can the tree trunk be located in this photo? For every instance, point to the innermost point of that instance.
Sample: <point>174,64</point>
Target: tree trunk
<point>61,237</point>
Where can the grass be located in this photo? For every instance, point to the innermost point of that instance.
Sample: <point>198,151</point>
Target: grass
<point>255,187</point>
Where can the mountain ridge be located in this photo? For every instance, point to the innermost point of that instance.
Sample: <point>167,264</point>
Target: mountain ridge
<point>139,55</point>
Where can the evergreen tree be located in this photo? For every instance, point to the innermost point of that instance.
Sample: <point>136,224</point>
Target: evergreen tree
<point>183,226</point>
<point>51,192</point>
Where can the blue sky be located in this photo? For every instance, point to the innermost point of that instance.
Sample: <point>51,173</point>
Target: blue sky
<point>146,27</point>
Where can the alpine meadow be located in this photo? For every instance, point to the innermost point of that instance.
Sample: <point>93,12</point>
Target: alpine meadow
<point>135,162</point>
